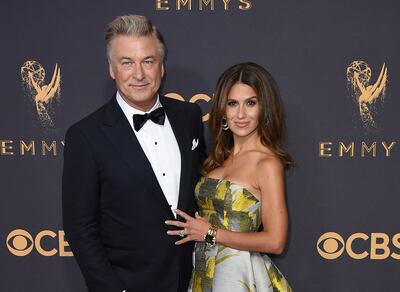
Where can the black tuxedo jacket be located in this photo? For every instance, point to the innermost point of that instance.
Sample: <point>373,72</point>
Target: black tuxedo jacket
<point>114,209</point>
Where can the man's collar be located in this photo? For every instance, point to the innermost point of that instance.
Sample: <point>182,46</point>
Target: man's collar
<point>129,111</point>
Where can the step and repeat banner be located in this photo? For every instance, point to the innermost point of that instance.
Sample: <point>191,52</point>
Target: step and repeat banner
<point>338,67</point>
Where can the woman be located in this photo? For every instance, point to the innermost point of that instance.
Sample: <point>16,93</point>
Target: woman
<point>242,188</point>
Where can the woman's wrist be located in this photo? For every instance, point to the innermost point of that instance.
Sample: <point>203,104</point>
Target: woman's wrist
<point>210,237</point>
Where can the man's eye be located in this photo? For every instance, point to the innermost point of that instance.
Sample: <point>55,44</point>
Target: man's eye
<point>148,62</point>
<point>126,63</point>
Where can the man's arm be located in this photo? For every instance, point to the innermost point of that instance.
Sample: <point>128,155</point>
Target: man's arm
<point>81,208</point>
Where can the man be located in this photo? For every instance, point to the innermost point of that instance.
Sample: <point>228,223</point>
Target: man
<point>127,166</point>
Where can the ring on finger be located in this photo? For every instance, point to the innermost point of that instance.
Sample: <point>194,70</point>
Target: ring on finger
<point>182,233</point>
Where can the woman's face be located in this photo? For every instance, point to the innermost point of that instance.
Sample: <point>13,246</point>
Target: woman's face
<point>242,110</point>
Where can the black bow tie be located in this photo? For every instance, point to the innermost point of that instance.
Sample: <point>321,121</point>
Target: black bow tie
<point>157,116</point>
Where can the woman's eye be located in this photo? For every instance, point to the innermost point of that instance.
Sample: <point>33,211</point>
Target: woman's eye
<point>251,102</point>
<point>231,103</point>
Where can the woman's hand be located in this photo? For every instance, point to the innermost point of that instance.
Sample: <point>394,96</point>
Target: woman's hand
<point>193,229</point>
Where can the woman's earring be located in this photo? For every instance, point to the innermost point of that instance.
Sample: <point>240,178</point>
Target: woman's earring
<point>224,124</point>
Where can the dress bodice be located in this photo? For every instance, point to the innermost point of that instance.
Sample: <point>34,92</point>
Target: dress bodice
<point>228,205</point>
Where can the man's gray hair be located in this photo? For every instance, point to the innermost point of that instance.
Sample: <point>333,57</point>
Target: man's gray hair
<point>133,25</point>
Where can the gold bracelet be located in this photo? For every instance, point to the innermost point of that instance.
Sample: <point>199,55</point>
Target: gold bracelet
<point>211,236</point>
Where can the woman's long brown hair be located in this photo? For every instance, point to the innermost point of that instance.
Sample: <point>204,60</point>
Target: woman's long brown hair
<point>271,121</point>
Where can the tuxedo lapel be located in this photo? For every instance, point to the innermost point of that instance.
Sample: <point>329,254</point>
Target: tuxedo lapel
<point>182,137</point>
<point>119,132</point>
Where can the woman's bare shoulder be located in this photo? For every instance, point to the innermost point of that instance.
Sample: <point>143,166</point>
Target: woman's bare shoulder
<point>216,173</point>
<point>268,164</point>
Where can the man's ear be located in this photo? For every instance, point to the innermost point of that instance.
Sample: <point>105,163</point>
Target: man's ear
<point>111,71</point>
<point>162,70</point>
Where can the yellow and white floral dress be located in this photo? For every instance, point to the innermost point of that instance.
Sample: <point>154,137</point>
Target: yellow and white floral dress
<point>229,206</point>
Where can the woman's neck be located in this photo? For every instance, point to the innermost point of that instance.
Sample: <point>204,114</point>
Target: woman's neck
<point>241,144</point>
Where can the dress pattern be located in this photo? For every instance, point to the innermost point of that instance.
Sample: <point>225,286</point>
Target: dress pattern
<point>229,206</point>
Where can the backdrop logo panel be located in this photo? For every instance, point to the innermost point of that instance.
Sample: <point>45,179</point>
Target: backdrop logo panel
<point>352,149</point>
<point>33,79</point>
<point>202,5</point>
<point>366,94</point>
<point>367,97</point>
<point>32,147</point>
<point>47,243</point>
<point>193,99</point>
<point>358,246</point>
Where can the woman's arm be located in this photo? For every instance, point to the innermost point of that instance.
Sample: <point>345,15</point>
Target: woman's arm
<point>270,180</point>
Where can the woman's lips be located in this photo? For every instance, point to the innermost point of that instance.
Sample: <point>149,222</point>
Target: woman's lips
<point>241,124</point>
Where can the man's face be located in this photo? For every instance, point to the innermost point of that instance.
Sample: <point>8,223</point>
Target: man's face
<point>137,69</point>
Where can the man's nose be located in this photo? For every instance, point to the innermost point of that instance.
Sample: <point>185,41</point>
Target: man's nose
<point>138,72</point>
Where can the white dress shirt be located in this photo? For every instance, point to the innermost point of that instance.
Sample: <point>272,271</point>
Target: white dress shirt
<point>161,148</point>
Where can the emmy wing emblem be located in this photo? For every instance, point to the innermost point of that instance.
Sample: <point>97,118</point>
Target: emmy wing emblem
<point>33,77</point>
<point>366,94</point>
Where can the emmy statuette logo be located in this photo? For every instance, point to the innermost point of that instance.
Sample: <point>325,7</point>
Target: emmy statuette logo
<point>43,94</point>
<point>369,97</point>
<point>364,92</point>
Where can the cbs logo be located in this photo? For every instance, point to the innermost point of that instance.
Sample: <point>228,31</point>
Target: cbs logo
<point>331,245</point>
<point>21,243</point>
<point>193,99</point>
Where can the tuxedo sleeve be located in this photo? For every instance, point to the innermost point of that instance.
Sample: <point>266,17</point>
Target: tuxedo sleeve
<point>81,208</point>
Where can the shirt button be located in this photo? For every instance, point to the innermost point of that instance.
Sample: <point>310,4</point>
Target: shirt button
<point>163,174</point>
<point>155,143</point>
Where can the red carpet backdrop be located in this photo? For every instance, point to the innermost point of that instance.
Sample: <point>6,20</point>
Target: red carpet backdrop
<point>338,67</point>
